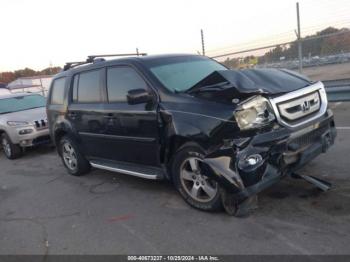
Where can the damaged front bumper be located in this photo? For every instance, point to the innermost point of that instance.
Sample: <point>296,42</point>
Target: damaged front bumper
<point>250,165</point>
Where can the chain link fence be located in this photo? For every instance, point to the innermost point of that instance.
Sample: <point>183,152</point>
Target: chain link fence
<point>325,55</point>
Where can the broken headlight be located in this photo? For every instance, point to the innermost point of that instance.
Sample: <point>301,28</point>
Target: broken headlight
<point>254,113</point>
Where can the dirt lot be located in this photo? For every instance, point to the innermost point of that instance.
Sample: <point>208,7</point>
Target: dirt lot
<point>45,211</point>
<point>328,72</point>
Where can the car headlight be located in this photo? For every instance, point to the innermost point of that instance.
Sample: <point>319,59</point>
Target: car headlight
<point>17,123</point>
<point>254,113</point>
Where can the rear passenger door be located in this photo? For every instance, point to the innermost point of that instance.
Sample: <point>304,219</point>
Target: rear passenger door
<point>56,103</point>
<point>131,131</point>
<point>85,111</point>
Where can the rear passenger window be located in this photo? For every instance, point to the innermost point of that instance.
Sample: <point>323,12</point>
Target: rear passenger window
<point>86,87</point>
<point>120,80</point>
<point>57,93</point>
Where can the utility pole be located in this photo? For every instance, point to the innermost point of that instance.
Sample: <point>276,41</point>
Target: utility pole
<point>202,37</point>
<point>50,68</point>
<point>300,53</point>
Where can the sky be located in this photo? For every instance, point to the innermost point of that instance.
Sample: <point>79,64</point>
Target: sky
<point>40,33</point>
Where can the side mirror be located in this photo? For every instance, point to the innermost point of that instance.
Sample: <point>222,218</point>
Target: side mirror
<point>138,96</point>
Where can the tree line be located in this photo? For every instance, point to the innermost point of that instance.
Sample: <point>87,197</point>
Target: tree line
<point>9,76</point>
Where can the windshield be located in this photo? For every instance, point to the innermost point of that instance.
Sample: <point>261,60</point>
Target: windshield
<point>180,76</point>
<point>21,103</point>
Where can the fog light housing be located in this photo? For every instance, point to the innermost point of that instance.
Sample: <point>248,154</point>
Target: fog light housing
<point>253,160</point>
<point>25,131</point>
<point>24,142</point>
<point>250,163</point>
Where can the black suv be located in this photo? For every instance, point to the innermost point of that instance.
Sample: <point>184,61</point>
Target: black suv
<point>221,136</point>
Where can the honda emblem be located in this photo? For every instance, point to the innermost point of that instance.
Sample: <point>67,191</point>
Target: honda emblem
<point>306,106</point>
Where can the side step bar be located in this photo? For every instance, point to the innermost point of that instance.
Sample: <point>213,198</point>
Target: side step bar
<point>129,169</point>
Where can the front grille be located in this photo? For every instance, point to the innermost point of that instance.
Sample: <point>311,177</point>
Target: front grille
<point>41,140</point>
<point>41,124</point>
<point>299,107</point>
<point>309,138</point>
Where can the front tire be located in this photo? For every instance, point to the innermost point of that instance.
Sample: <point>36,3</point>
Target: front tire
<point>75,163</point>
<point>11,151</point>
<point>196,188</point>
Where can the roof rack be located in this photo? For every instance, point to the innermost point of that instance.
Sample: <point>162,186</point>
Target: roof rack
<point>70,65</point>
<point>91,59</point>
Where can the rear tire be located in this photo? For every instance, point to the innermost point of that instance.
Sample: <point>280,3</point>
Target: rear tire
<point>11,151</point>
<point>197,190</point>
<point>74,161</point>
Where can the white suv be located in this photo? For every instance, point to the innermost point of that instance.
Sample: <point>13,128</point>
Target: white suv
<point>23,123</point>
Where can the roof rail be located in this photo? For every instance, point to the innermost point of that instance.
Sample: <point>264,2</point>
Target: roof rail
<point>70,65</point>
<point>91,59</point>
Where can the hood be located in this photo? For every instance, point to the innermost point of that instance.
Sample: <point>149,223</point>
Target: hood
<point>225,85</point>
<point>258,81</point>
<point>267,81</point>
<point>30,115</point>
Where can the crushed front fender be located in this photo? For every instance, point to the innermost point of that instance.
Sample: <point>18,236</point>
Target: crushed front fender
<point>249,165</point>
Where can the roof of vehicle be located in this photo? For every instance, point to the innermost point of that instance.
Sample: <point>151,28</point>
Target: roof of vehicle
<point>17,95</point>
<point>140,59</point>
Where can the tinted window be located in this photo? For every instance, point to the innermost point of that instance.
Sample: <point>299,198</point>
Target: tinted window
<point>57,94</point>
<point>89,87</point>
<point>120,80</point>
<point>21,103</point>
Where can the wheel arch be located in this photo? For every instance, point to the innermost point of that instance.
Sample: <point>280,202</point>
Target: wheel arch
<point>60,130</point>
<point>176,143</point>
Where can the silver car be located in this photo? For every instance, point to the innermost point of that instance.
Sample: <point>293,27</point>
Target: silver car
<point>23,123</point>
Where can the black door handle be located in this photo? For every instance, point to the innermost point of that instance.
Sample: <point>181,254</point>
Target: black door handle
<point>72,114</point>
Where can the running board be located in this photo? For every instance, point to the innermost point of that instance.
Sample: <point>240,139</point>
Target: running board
<point>146,172</point>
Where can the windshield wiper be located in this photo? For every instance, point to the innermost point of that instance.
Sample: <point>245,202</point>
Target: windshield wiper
<point>209,88</point>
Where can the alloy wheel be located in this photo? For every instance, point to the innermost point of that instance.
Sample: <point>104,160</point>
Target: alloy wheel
<point>198,186</point>
<point>69,156</point>
<point>6,147</point>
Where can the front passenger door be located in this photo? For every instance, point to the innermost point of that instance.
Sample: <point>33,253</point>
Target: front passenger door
<point>131,131</point>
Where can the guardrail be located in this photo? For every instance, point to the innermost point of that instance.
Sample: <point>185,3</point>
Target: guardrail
<point>337,90</point>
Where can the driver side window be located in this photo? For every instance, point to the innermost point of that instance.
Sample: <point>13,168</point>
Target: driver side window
<point>120,80</point>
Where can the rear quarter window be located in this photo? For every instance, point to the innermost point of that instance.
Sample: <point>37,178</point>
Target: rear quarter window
<point>57,92</point>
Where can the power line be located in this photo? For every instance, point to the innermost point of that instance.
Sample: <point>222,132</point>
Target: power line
<point>202,37</point>
<point>254,44</point>
<point>288,34</point>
